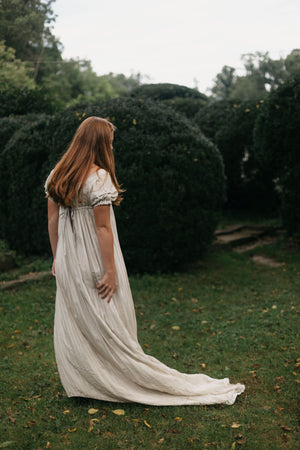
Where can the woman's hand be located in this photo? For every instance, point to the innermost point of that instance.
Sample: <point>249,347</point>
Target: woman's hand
<point>107,285</point>
<point>53,268</point>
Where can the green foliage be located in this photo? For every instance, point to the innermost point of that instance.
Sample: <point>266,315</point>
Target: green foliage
<point>25,101</point>
<point>181,98</point>
<point>14,73</point>
<point>261,74</point>
<point>23,222</point>
<point>230,126</point>
<point>172,174</point>
<point>277,143</point>
<point>25,26</point>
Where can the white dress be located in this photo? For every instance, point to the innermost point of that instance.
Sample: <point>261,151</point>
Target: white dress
<point>96,347</point>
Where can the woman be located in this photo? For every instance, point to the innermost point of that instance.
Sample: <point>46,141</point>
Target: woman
<point>95,341</point>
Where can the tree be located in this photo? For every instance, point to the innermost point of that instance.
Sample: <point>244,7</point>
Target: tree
<point>14,73</point>
<point>26,27</point>
<point>224,83</point>
<point>261,75</point>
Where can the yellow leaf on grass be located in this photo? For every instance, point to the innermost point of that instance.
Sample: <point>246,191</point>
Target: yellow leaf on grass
<point>119,412</point>
<point>147,424</point>
<point>93,411</point>
<point>178,419</point>
<point>71,430</point>
<point>66,411</point>
<point>90,429</point>
<point>176,327</point>
<point>233,446</point>
<point>92,421</point>
<point>235,425</point>
<point>17,331</point>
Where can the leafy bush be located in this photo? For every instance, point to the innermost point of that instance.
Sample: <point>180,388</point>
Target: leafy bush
<point>230,125</point>
<point>24,101</point>
<point>172,174</point>
<point>23,222</point>
<point>181,98</point>
<point>277,144</point>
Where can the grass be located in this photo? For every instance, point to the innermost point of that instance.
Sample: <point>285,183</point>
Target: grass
<point>236,319</point>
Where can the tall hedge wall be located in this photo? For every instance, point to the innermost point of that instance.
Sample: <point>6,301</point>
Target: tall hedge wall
<point>277,146</point>
<point>230,125</point>
<point>172,174</point>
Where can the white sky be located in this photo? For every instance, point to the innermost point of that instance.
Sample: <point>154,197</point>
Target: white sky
<point>175,41</point>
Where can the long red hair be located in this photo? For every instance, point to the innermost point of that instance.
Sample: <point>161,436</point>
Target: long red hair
<point>91,144</point>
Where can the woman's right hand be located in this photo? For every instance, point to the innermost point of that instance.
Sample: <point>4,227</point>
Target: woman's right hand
<point>53,268</point>
<point>107,286</point>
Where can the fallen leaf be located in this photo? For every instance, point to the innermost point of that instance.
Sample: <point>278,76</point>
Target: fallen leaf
<point>176,327</point>
<point>283,427</point>
<point>233,446</point>
<point>72,430</point>
<point>92,421</point>
<point>66,411</point>
<point>147,424</point>
<point>90,429</point>
<point>119,412</point>
<point>48,445</point>
<point>178,419</point>
<point>161,440</point>
<point>93,411</point>
<point>235,425</point>
<point>17,331</point>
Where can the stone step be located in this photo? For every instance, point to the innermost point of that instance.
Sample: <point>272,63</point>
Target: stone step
<point>238,235</point>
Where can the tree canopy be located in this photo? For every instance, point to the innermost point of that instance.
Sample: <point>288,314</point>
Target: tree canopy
<point>261,75</point>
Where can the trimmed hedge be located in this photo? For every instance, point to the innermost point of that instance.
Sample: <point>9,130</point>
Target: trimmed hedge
<point>230,125</point>
<point>181,98</point>
<point>172,174</point>
<point>25,101</point>
<point>22,221</point>
<point>277,146</point>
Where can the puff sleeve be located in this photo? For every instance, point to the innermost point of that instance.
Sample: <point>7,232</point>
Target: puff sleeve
<point>103,191</point>
<point>46,185</point>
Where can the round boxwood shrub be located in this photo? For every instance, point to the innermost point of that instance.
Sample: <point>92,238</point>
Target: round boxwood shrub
<point>277,144</point>
<point>173,178</point>
<point>172,174</point>
<point>181,98</point>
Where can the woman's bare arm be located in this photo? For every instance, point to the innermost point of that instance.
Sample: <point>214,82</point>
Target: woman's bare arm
<point>107,285</point>
<point>53,211</point>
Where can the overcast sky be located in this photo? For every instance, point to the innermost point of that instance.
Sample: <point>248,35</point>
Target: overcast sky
<point>175,41</point>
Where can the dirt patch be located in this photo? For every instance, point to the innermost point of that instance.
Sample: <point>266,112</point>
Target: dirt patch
<point>260,259</point>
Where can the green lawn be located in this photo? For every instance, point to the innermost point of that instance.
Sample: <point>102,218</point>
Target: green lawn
<point>236,319</point>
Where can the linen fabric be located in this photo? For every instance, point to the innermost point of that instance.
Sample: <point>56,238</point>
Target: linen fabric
<point>96,346</point>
